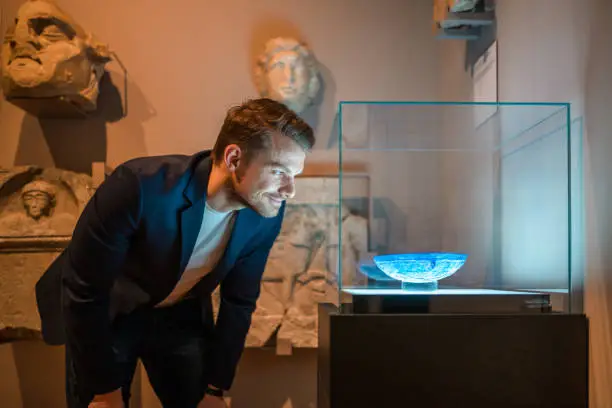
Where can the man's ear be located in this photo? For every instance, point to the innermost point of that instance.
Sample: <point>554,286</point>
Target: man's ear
<point>232,157</point>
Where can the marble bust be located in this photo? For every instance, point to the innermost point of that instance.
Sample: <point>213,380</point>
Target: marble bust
<point>47,54</point>
<point>287,72</point>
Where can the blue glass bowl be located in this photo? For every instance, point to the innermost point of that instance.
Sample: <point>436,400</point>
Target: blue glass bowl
<point>420,270</point>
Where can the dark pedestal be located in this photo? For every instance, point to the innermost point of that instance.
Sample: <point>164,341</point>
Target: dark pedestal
<point>452,360</point>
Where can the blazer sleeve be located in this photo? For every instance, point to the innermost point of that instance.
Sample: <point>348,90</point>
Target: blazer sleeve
<point>95,255</point>
<point>239,292</point>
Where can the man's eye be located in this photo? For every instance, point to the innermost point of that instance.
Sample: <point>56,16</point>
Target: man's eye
<point>277,172</point>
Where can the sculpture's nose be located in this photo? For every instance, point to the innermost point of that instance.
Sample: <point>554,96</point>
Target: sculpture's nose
<point>24,40</point>
<point>22,31</point>
<point>290,74</point>
<point>24,34</point>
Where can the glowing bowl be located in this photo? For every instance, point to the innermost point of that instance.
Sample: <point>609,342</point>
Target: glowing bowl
<point>420,271</point>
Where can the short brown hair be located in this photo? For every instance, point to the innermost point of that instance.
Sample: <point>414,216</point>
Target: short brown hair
<point>251,124</point>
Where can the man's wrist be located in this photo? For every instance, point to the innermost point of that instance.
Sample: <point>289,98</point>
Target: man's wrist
<point>214,391</point>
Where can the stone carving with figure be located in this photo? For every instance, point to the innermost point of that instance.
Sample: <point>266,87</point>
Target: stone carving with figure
<point>318,282</point>
<point>49,62</point>
<point>39,208</point>
<point>287,71</point>
<point>37,218</point>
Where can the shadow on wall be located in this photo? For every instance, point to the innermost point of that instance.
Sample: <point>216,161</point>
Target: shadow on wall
<point>74,144</point>
<point>40,370</point>
<point>288,382</point>
<point>320,115</point>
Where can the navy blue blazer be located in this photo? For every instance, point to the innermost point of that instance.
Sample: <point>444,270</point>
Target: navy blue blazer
<point>129,249</point>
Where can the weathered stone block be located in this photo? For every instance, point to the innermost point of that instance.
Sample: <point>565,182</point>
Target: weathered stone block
<point>38,210</point>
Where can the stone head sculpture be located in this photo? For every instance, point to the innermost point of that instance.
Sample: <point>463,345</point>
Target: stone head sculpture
<point>47,54</point>
<point>287,72</point>
<point>38,198</point>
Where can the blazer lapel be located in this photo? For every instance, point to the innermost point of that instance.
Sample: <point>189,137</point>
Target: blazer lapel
<point>245,226</point>
<point>191,221</point>
<point>191,216</point>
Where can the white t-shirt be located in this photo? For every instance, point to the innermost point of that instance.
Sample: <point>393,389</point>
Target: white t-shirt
<point>210,245</point>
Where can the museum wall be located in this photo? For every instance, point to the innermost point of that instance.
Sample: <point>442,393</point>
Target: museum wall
<point>598,188</point>
<point>185,66</point>
<point>569,60</point>
<point>551,71</point>
<point>180,68</point>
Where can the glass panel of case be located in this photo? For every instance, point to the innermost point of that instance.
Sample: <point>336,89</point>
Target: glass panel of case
<point>457,198</point>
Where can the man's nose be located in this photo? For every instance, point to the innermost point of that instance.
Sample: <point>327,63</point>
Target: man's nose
<point>288,189</point>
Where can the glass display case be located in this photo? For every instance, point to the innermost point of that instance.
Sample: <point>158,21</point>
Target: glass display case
<point>463,201</point>
<point>460,245</point>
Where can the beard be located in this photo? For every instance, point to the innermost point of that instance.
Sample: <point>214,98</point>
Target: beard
<point>255,202</point>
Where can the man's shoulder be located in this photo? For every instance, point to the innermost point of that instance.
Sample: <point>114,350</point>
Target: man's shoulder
<point>164,175</point>
<point>164,170</point>
<point>167,164</point>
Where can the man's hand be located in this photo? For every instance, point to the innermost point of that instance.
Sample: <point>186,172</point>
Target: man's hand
<point>113,399</point>
<point>210,401</point>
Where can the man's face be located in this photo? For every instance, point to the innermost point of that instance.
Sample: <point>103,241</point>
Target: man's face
<point>288,76</point>
<point>45,53</point>
<point>269,176</point>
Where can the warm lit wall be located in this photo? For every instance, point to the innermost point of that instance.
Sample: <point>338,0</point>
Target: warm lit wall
<point>598,149</point>
<point>557,50</point>
<point>186,63</point>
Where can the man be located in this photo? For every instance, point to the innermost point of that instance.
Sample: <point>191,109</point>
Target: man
<point>154,241</point>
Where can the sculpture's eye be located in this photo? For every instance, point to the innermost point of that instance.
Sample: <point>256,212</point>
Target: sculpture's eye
<point>53,33</point>
<point>52,29</point>
<point>277,64</point>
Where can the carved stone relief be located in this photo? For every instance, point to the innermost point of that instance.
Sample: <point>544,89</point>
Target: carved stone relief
<point>37,202</point>
<point>47,55</point>
<point>318,283</point>
<point>287,72</point>
<point>38,211</point>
